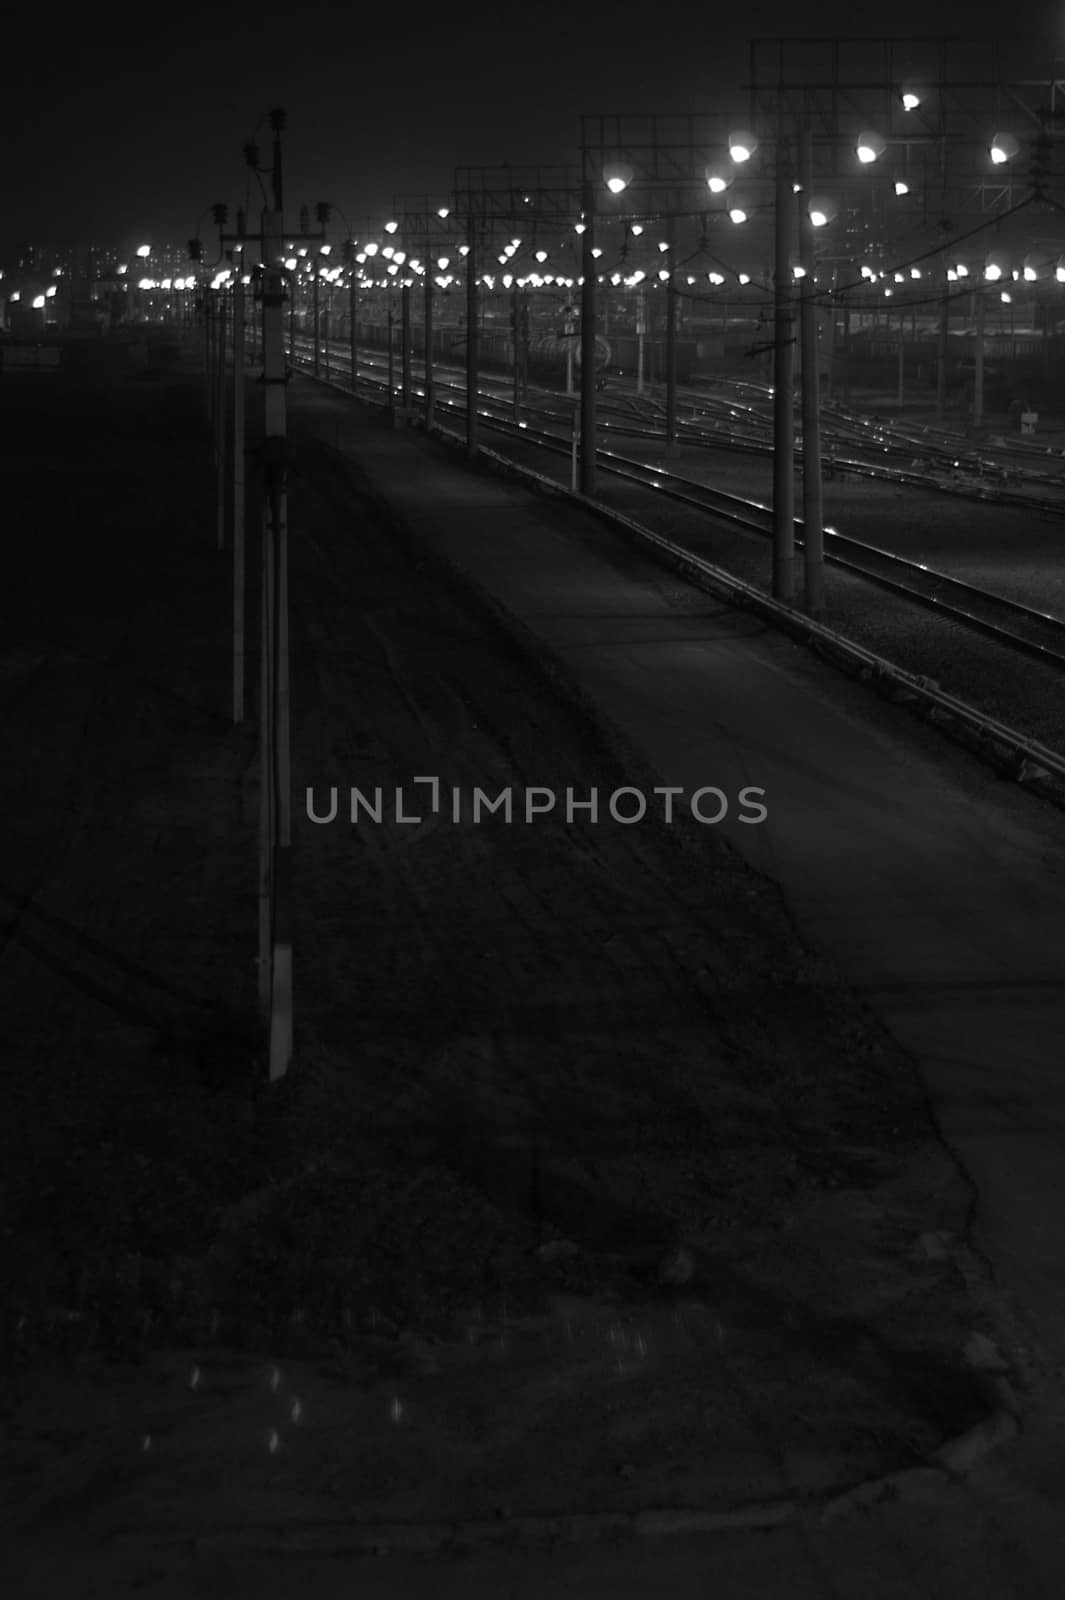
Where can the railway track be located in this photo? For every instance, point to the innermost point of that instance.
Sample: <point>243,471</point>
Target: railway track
<point>1020,628</point>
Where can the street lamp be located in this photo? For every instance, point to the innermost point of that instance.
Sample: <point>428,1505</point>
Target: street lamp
<point>1003,148</point>
<point>870,147</point>
<point>618,177</point>
<point>742,145</point>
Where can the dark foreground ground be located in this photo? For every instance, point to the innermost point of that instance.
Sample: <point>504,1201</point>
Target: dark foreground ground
<point>590,1189</point>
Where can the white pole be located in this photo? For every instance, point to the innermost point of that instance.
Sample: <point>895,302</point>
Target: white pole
<point>220,420</point>
<point>238,500</point>
<point>274,379</point>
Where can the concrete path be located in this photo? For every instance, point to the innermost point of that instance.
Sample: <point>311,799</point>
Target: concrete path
<point>937,888</point>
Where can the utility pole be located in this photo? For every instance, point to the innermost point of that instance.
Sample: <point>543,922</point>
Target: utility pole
<point>641,335</point>
<point>276,623</point>
<point>208,348</point>
<point>812,495</point>
<point>672,444</point>
<point>428,320</point>
<point>238,496</point>
<point>391,354</point>
<point>353,309</point>
<point>515,332</point>
<point>902,359</point>
<point>316,314</point>
<point>588,314</point>
<point>941,363</point>
<point>404,329</point>
<point>472,341</point>
<point>783,385</point>
<point>978,357</point>
<point>220,420</point>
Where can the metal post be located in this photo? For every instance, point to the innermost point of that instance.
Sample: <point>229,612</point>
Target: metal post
<point>978,355</point>
<point>404,301</point>
<point>812,495</point>
<point>353,310</point>
<point>641,335</point>
<point>569,331</point>
<point>316,316</point>
<point>783,385</point>
<point>902,360</point>
<point>672,443</point>
<point>514,333</point>
<point>471,334</point>
<point>238,500</point>
<point>428,319</point>
<point>391,355</point>
<point>220,422</point>
<point>588,313</point>
<point>208,330</point>
<point>941,362</point>
<point>267,797</point>
<point>276,537</point>
<point>292,317</point>
<point>327,334</point>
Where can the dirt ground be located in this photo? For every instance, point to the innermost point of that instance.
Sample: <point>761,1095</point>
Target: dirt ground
<point>590,1189</point>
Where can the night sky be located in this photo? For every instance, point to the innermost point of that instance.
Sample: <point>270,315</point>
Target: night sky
<point>128,122</point>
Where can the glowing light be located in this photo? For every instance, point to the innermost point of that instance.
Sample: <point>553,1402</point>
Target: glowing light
<point>443,212</point>
<point>910,100</point>
<point>742,145</point>
<point>870,147</point>
<point>144,250</point>
<point>716,182</point>
<point>744,277</point>
<point>390,227</point>
<point>618,177</point>
<point>901,188</point>
<point>738,215</point>
<point>38,303</point>
<point>637,229</point>
<point>1003,148</point>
